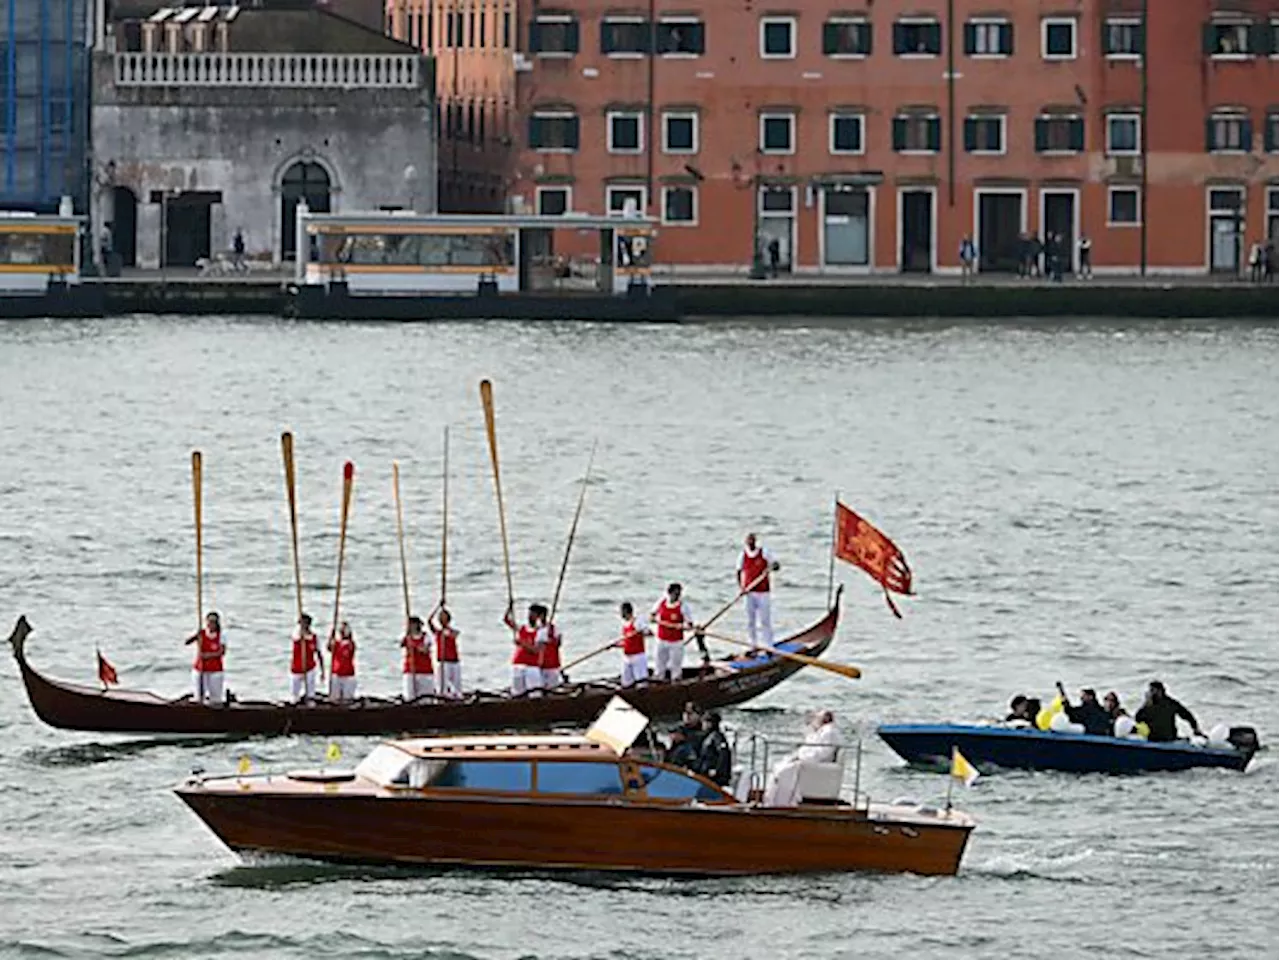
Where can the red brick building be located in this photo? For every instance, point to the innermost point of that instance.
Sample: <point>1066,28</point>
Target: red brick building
<point>876,136</point>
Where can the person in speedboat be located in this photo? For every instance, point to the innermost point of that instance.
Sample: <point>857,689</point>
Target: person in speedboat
<point>1160,712</point>
<point>821,745</point>
<point>1089,714</point>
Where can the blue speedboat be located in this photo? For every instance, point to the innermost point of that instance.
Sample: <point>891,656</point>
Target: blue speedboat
<point>930,745</point>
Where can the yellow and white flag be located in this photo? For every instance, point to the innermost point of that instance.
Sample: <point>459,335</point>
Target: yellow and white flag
<point>333,754</point>
<point>245,765</point>
<point>962,769</point>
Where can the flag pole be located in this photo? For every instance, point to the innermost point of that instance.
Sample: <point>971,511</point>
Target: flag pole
<point>951,777</point>
<point>831,568</point>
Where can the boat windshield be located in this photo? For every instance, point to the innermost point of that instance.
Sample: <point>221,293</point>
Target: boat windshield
<point>592,779</point>
<point>673,785</point>
<point>505,775</point>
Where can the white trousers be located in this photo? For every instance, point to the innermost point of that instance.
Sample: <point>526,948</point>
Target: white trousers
<point>449,679</point>
<point>670,656</point>
<point>635,668</point>
<point>208,686</point>
<point>782,788</point>
<point>758,613</point>
<point>342,688</point>
<point>415,685</point>
<point>524,679</point>
<point>551,678</point>
<point>302,686</point>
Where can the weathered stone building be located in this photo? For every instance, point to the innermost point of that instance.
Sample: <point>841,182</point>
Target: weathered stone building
<point>213,121</point>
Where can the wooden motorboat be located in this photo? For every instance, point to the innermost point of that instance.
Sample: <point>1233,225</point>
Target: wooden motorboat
<point>559,802</point>
<point>930,745</point>
<point>726,681</point>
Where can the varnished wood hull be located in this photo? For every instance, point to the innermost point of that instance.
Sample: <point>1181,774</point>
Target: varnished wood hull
<point>76,707</point>
<point>517,833</point>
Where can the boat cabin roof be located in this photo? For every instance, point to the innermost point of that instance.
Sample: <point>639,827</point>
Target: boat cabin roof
<point>492,746</point>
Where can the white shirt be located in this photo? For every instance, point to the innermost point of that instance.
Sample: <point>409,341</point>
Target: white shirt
<point>820,744</point>
<point>768,556</point>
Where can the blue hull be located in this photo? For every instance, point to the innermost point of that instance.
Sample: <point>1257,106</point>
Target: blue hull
<point>930,745</point>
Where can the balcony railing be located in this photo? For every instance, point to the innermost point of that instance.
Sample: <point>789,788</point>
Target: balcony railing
<point>315,70</point>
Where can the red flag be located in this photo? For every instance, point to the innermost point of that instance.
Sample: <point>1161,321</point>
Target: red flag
<point>861,544</point>
<point>106,672</point>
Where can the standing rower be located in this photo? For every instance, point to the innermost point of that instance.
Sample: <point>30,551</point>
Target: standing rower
<point>305,663</point>
<point>526,664</point>
<point>342,664</point>
<point>549,656</point>
<point>207,670</point>
<point>635,663</point>
<point>754,566</point>
<point>418,681</point>
<point>672,616</point>
<point>449,679</point>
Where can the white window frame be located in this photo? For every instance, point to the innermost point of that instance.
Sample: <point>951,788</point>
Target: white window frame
<point>790,117</point>
<point>1126,188</point>
<point>566,189</point>
<point>693,188</point>
<point>1274,23</point>
<point>622,54</point>
<point>791,26</point>
<point>542,18</point>
<point>1233,21</point>
<point>1066,152</point>
<point>989,22</point>
<point>843,21</point>
<point>920,21</point>
<point>1120,22</point>
<point>611,188</point>
<point>1238,115</point>
<point>1004,134</point>
<point>831,132</point>
<point>1129,115</point>
<point>558,115</point>
<point>612,115</point>
<point>765,188</point>
<point>680,115</point>
<point>676,21</point>
<point>911,152</point>
<point>1045,24</point>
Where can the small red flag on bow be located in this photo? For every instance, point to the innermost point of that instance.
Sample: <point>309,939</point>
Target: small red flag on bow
<point>861,544</point>
<point>106,672</point>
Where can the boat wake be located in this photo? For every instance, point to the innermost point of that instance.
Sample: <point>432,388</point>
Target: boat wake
<point>1051,867</point>
<point>90,754</point>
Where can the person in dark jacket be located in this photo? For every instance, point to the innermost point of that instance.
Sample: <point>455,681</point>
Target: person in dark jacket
<point>682,752</point>
<point>715,759</point>
<point>1160,713</point>
<point>1089,714</point>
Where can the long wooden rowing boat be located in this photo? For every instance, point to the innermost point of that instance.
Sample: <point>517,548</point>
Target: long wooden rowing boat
<point>727,681</point>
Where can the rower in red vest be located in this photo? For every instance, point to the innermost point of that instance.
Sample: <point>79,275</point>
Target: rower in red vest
<point>754,566</point>
<point>526,661</point>
<point>552,675</point>
<point>635,663</point>
<point>418,680</point>
<point>206,672</point>
<point>672,616</point>
<point>305,663</point>
<point>342,664</point>
<point>449,679</point>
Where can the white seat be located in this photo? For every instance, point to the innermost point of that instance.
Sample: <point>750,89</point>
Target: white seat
<point>819,781</point>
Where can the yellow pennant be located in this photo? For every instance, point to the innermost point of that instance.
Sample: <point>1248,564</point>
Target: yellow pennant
<point>245,765</point>
<point>333,754</point>
<point>962,769</point>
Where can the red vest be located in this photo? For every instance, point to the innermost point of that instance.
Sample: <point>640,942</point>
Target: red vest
<point>417,655</point>
<point>344,657</point>
<point>669,621</point>
<point>632,639</point>
<point>526,652</point>
<point>447,645</point>
<point>304,654</point>
<point>209,652</point>
<point>551,650</point>
<point>752,567</point>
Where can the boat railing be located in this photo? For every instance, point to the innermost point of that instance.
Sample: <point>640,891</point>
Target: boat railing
<point>755,757</point>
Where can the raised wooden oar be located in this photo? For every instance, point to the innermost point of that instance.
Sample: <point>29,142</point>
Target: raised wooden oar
<point>486,398</point>
<point>197,489</point>
<point>404,564</point>
<point>573,530</point>
<point>348,480</point>
<point>444,521</point>
<point>844,669</point>
<point>290,484</point>
<point>727,607</point>
<point>594,653</point>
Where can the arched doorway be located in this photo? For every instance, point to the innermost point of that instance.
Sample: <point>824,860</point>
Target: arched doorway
<point>302,181</point>
<point>124,226</point>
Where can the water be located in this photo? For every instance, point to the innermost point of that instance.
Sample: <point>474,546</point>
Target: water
<point>1094,503</point>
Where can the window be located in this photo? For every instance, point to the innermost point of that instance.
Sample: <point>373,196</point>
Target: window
<point>984,133</point>
<point>1124,134</point>
<point>1231,38</point>
<point>777,132</point>
<point>1228,133</point>
<point>1123,206</point>
<point>1123,38</point>
<point>777,37</point>
<point>553,36</point>
<point>622,200</point>
<point>486,775</point>
<point>553,131</point>
<point>849,37</point>
<point>1058,38</point>
<point>680,205</point>
<point>506,28</point>
<point>554,201</point>
<point>429,33</point>
<point>672,785</point>
<point>917,38</point>
<point>917,133</point>
<point>471,28</point>
<point>624,36</point>
<point>484,34</point>
<point>626,131</point>
<point>1273,213</point>
<point>1059,133</point>
<point>988,38</point>
<point>680,37</point>
<point>846,133</point>
<point>592,779</point>
<point>680,131</point>
<point>1272,132</point>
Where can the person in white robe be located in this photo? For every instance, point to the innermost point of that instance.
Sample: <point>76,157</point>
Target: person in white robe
<point>821,745</point>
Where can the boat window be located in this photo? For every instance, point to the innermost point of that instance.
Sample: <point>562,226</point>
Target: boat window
<point>486,775</point>
<point>673,785</point>
<point>597,779</point>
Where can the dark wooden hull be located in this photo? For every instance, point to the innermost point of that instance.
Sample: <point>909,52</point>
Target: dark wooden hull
<point>711,840</point>
<point>77,707</point>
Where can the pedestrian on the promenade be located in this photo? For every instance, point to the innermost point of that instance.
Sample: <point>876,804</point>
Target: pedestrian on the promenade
<point>968,257</point>
<point>1085,249</point>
